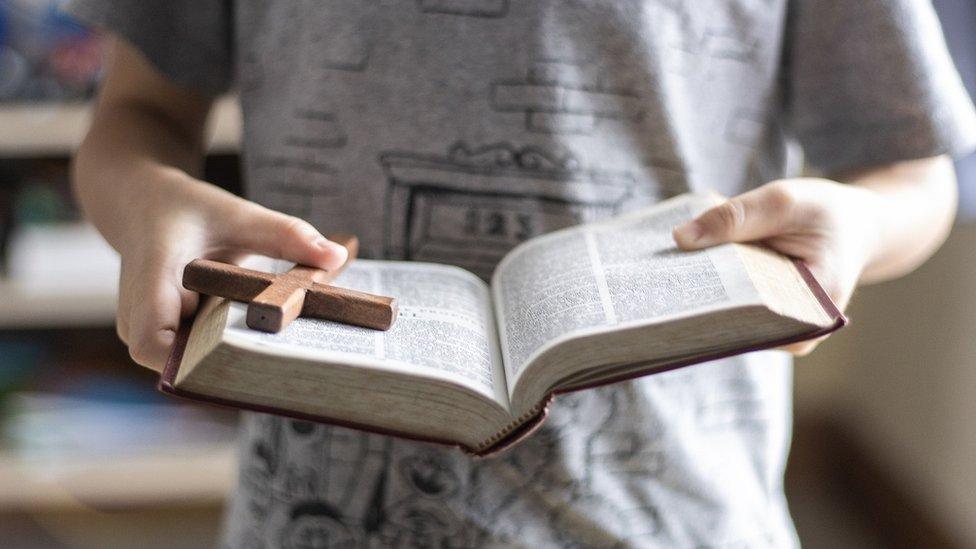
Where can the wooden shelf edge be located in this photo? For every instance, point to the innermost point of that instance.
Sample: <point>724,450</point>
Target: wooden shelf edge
<point>30,311</point>
<point>56,129</point>
<point>185,476</point>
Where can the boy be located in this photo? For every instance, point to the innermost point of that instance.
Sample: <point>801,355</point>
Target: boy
<point>632,101</point>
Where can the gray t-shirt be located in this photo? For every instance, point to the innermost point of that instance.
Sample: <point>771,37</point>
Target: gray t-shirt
<point>407,121</point>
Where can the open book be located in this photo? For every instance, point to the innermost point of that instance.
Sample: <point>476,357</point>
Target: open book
<point>476,365</point>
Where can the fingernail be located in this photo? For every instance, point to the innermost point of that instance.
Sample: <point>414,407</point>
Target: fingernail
<point>327,244</point>
<point>690,232</point>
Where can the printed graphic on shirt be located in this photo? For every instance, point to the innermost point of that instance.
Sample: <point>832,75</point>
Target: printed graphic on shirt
<point>317,524</point>
<point>329,497</point>
<point>732,405</point>
<point>341,43</point>
<point>261,463</point>
<point>671,176</point>
<point>333,487</point>
<point>701,38</point>
<point>558,97</point>
<point>599,521</point>
<point>473,204</point>
<point>296,180</point>
<point>567,464</point>
<point>472,8</point>
<point>420,515</point>
<point>746,127</point>
<point>315,129</point>
<point>704,31</point>
<point>297,184</point>
<point>717,44</point>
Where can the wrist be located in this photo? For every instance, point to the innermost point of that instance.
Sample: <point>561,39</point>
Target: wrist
<point>156,204</point>
<point>871,215</point>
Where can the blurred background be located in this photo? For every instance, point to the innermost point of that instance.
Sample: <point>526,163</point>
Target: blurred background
<point>884,451</point>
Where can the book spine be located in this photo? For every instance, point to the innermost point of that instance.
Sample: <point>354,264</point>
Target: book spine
<point>517,430</point>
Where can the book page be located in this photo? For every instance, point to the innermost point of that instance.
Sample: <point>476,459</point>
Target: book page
<point>604,275</point>
<point>445,327</point>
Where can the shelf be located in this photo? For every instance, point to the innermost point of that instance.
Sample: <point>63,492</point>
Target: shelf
<point>186,475</point>
<point>55,129</point>
<point>26,310</point>
<point>60,276</point>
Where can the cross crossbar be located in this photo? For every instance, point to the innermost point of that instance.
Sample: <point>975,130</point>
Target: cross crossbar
<point>274,300</point>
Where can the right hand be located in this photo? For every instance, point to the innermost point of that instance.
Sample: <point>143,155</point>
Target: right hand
<point>179,219</point>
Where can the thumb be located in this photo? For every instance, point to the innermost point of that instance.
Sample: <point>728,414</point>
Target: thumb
<point>754,215</point>
<point>260,230</point>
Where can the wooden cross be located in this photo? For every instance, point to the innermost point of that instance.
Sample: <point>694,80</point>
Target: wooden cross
<point>275,300</point>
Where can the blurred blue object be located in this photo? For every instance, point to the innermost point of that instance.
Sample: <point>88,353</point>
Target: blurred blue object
<point>45,54</point>
<point>959,22</point>
<point>110,389</point>
<point>57,427</point>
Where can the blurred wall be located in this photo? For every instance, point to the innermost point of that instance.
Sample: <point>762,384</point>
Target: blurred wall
<point>902,377</point>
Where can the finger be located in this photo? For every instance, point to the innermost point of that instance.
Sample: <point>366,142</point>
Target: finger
<point>158,304</point>
<point>803,348</point>
<point>122,308</point>
<point>122,326</point>
<point>274,234</point>
<point>754,215</point>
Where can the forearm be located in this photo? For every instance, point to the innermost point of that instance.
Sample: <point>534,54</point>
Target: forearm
<point>144,135</point>
<point>137,178</point>
<point>913,204</point>
<point>128,152</point>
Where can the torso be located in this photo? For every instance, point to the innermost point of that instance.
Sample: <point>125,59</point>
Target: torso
<point>451,130</point>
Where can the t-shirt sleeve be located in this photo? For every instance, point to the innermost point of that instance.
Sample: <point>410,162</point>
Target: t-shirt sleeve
<point>189,41</point>
<point>871,82</point>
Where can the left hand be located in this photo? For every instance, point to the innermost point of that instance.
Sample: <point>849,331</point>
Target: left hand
<point>829,225</point>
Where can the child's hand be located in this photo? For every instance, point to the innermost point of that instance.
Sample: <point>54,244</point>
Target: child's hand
<point>830,226</point>
<point>178,219</point>
<point>132,179</point>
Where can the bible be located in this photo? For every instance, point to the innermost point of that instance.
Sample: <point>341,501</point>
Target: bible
<point>477,365</point>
